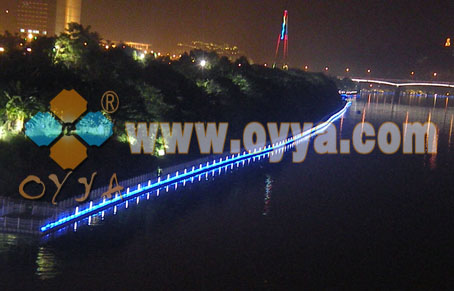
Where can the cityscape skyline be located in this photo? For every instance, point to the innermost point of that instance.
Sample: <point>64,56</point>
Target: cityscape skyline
<point>352,34</point>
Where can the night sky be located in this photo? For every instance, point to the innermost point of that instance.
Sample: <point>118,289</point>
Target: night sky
<point>386,36</point>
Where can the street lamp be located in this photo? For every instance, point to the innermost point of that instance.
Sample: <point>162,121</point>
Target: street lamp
<point>347,70</point>
<point>435,74</point>
<point>2,49</point>
<point>306,68</point>
<point>368,71</point>
<point>203,63</point>
<point>326,68</point>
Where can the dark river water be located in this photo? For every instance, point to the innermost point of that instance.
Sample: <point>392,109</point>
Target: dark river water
<point>335,221</point>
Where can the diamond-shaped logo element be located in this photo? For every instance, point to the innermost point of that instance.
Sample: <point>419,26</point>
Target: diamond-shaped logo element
<point>68,152</point>
<point>94,128</point>
<point>43,129</point>
<point>68,105</point>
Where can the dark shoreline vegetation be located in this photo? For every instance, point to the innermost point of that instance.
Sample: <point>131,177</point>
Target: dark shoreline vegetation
<point>150,89</point>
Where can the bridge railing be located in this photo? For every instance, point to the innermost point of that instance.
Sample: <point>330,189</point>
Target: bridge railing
<point>38,213</point>
<point>404,83</point>
<point>10,206</point>
<point>19,225</point>
<point>133,182</point>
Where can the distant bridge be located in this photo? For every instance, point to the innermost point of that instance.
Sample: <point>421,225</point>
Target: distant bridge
<point>405,83</point>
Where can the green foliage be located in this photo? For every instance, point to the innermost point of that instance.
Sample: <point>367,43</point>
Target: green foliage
<point>153,99</point>
<point>74,47</point>
<point>15,109</point>
<point>242,83</point>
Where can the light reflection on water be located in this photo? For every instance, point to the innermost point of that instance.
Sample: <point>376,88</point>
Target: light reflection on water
<point>47,263</point>
<point>7,241</point>
<point>25,250</point>
<point>378,108</point>
<point>268,193</point>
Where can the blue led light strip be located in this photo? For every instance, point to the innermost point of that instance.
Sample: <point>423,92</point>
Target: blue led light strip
<point>91,210</point>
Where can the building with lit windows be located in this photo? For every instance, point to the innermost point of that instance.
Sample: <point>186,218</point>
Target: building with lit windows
<point>33,17</point>
<point>143,47</point>
<point>146,47</point>
<point>231,52</point>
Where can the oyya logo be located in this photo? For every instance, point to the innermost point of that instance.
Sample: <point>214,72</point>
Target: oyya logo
<point>68,151</point>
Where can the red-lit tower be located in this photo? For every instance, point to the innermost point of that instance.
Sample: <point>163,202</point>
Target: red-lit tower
<point>282,38</point>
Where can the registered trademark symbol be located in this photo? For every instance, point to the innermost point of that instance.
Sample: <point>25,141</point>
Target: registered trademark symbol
<point>110,102</point>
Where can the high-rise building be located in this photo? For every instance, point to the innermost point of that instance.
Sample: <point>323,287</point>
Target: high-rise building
<point>67,11</point>
<point>33,16</point>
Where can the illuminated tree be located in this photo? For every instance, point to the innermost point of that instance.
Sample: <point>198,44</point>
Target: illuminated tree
<point>74,47</point>
<point>15,109</point>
